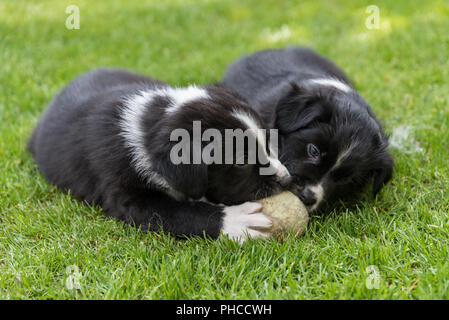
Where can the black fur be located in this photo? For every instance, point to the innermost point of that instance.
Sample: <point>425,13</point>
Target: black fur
<point>277,84</point>
<point>78,146</point>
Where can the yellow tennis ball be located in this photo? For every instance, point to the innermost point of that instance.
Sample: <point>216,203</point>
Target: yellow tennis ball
<point>288,212</point>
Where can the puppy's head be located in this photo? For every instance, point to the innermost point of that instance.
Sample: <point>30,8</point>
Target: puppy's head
<point>229,159</point>
<point>332,144</point>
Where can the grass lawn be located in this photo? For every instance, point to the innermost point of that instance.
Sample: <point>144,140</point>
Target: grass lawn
<point>402,69</point>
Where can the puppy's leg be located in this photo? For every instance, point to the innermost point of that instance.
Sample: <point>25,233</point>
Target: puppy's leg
<point>156,212</point>
<point>246,220</point>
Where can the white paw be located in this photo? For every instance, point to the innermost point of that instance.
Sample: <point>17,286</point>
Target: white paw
<point>246,220</point>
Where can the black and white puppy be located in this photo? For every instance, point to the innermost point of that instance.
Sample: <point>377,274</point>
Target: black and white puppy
<point>106,139</point>
<point>331,141</point>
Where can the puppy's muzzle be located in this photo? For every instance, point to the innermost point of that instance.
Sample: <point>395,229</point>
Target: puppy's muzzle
<point>308,197</point>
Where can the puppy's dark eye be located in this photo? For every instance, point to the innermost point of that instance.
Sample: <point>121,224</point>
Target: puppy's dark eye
<point>313,150</point>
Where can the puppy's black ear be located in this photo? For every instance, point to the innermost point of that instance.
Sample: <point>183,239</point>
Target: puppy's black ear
<point>188,178</point>
<point>383,173</point>
<point>299,108</point>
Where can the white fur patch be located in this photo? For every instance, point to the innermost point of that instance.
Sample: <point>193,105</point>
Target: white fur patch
<point>250,123</point>
<point>239,222</point>
<point>253,125</point>
<point>331,82</point>
<point>131,130</point>
<point>341,156</point>
<point>318,191</point>
<point>180,96</point>
<point>281,170</point>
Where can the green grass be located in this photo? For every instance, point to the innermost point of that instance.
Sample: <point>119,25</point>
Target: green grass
<point>402,69</point>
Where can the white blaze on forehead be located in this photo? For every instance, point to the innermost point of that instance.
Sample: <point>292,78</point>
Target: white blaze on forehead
<point>180,96</point>
<point>318,191</point>
<point>331,82</point>
<point>342,156</point>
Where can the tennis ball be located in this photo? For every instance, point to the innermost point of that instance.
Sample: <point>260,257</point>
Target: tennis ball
<point>287,211</point>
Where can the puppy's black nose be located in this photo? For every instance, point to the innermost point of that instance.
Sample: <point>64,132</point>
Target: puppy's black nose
<point>307,197</point>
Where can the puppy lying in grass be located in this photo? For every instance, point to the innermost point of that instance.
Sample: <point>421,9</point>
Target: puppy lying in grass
<point>106,138</point>
<point>331,141</point>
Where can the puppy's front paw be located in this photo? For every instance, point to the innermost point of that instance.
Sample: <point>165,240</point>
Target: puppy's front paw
<point>246,220</point>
